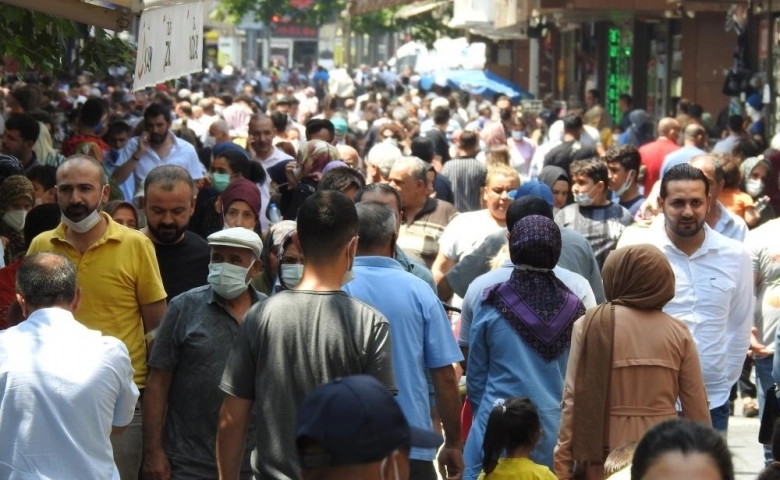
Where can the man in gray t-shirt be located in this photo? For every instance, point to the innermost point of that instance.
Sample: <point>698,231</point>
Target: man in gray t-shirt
<point>298,340</point>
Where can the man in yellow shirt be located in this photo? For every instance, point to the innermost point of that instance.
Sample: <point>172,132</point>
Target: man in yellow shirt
<point>122,292</point>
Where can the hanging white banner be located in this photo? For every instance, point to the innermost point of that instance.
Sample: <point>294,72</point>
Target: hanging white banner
<point>170,43</point>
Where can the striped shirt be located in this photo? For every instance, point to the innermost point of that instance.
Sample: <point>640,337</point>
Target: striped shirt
<point>420,238</point>
<point>467,176</point>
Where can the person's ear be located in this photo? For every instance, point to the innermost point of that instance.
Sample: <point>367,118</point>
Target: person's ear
<point>255,269</point>
<point>22,305</point>
<point>76,303</point>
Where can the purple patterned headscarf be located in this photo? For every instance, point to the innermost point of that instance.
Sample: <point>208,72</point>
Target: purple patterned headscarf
<point>538,306</point>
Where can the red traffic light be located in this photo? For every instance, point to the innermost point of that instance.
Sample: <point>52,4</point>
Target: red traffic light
<point>275,18</point>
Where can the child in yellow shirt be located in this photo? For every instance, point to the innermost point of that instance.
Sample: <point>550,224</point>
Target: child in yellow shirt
<point>513,428</point>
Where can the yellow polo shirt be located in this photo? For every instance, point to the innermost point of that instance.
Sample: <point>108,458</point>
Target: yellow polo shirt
<point>117,275</point>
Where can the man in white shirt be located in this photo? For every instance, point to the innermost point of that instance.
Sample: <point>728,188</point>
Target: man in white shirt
<point>714,283</point>
<point>155,147</point>
<point>63,387</point>
<point>260,145</point>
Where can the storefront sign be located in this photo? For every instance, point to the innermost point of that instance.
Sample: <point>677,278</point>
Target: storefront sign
<point>291,30</point>
<point>618,69</point>
<point>170,43</point>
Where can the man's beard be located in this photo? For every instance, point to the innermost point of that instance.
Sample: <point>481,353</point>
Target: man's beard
<point>167,234</point>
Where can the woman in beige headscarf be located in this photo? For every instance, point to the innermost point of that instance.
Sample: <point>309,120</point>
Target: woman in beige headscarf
<point>629,363</point>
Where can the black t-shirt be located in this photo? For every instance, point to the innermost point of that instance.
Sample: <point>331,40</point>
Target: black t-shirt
<point>441,143</point>
<point>567,152</point>
<point>183,265</point>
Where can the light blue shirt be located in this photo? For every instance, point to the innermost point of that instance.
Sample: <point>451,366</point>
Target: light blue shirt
<point>502,366</point>
<point>678,157</point>
<point>420,330</point>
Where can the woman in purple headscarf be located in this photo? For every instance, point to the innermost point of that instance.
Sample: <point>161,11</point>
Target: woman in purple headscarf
<point>520,338</point>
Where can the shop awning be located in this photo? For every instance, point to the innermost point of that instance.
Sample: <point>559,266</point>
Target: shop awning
<point>118,17</point>
<point>359,7</point>
<point>409,11</point>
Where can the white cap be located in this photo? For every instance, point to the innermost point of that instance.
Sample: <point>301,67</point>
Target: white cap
<point>238,237</point>
<point>440,102</point>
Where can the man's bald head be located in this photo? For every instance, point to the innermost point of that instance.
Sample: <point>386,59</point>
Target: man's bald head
<point>695,134</point>
<point>349,156</point>
<point>668,127</point>
<point>83,165</point>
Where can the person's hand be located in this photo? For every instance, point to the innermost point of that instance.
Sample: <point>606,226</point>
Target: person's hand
<point>156,465</point>
<point>143,145</point>
<point>451,463</point>
<point>204,182</point>
<point>250,142</point>
<point>289,174</point>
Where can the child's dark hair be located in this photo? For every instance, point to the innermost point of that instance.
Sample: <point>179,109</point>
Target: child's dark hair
<point>619,458</point>
<point>510,426</point>
<point>594,168</point>
<point>771,472</point>
<point>686,437</point>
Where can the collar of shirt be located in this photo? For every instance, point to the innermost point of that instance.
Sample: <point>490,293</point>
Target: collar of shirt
<point>33,163</point>
<point>377,261</point>
<point>53,317</point>
<point>430,206</point>
<point>216,299</point>
<point>711,241</point>
<point>276,154</point>
<point>725,220</point>
<point>178,145</point>
<point>114,232</point>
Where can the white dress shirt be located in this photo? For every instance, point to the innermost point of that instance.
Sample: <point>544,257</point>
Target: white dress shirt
<point>714,297</point>
<point>62,388</point>
<point>182,154</point>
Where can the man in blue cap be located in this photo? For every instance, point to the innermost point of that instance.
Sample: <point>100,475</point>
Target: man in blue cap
<point>577,254</point>
<point>354,428</point>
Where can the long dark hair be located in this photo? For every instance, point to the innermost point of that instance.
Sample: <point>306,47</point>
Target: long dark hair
<point>512,425</point>
<point>686,437</point>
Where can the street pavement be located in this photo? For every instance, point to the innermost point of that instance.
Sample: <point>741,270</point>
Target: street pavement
<point>743,442</point>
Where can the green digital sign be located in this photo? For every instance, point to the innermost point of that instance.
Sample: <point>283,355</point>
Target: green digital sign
<point>619,47</point>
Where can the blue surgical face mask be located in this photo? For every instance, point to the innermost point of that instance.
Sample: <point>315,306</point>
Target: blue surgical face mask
<point>291,274</point>
<point>583,199</point>
<point>228,280</point>
<point>220,181</point>
<point>518,134</point>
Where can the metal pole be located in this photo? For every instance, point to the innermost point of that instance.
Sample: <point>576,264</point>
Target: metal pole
<point>533,60</point>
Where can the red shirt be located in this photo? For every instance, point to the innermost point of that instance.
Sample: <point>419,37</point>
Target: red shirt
<point>653,159</point>
<point>7,290</point>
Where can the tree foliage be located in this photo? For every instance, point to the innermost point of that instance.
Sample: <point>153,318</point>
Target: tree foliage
<point>51,45</point>
<point>425,28</point>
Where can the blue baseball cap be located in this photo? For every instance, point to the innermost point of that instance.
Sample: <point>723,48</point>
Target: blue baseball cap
<point>355,420</point>
<point>533,188</point>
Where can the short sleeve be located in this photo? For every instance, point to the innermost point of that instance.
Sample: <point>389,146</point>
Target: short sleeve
<point>127,394</point>
<point>149,286</point>
<point>448,243</point>
<point>441,349</point>
<point>165,350</point>
<point>380,353</point>
<point>194,167</point>
<point>238,379</point>
<point>755,247</point>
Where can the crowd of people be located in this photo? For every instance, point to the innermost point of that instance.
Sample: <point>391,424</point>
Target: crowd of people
<point>354,278</point>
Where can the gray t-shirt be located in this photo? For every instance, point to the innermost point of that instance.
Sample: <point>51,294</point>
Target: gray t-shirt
<point>576,255</point>
<point>193,342</point>
<point>288,346</point>
<point>601,226</point>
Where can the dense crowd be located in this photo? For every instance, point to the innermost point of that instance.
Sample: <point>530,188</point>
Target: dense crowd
<point>344,276</point>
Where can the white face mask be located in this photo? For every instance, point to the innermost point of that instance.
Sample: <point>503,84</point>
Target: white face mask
<point>624,188</point>
<point>583,199</point>
<point>87,223</point>
<point>291,275</point>
<point>15,219</point>
<point>391,141</point>
<point>396,476</point>
<point>753,187</point>
<point>211,141</point>
<point>228,280</point>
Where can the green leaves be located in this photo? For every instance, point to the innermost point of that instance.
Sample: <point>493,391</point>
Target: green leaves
<point>43,43</point>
